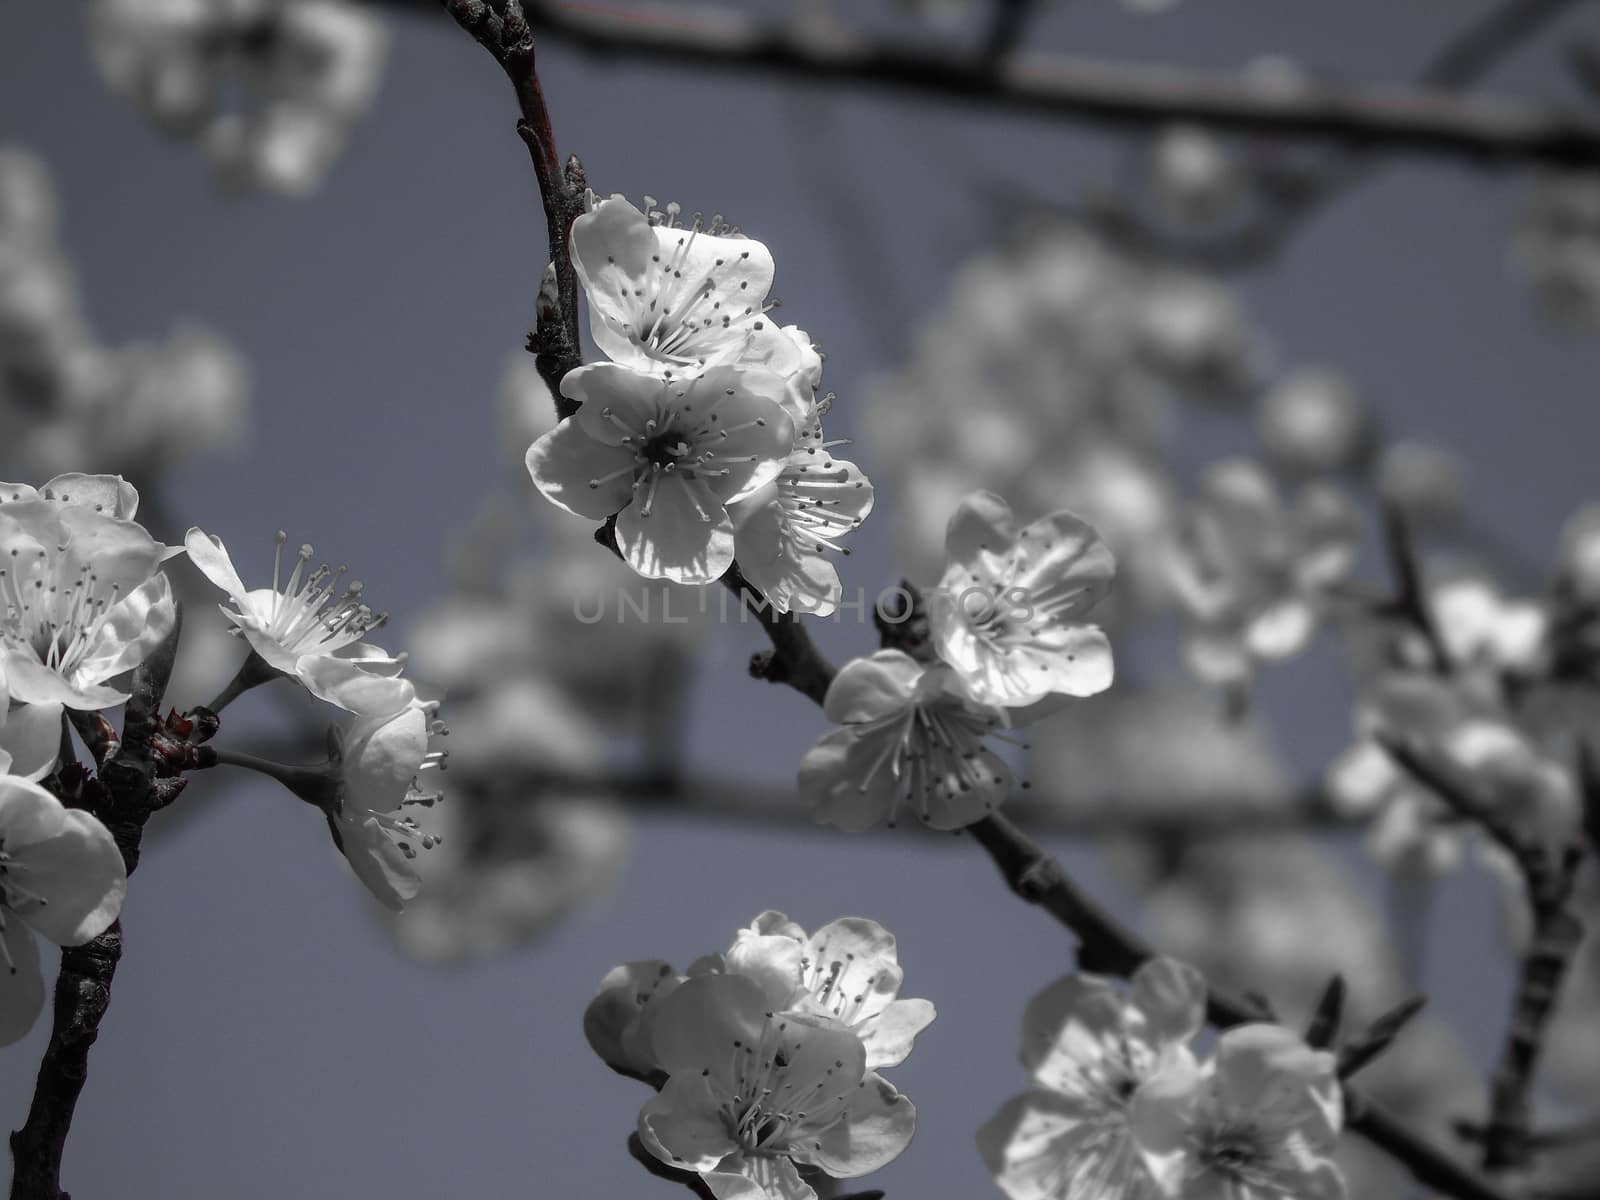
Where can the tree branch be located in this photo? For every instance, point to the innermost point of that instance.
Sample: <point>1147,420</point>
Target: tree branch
<point>501,28</point>
<point>123,802</point>
<point>1508,1142</point>
<point>1418,120</point>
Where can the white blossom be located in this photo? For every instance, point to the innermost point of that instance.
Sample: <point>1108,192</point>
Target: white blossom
<point>62,877</point>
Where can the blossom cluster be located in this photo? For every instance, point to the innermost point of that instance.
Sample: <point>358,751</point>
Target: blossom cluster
<point>1005,624</point>
<point>310,626</point>
<point>68,400</point>
<point>1122,1109</point>
<point>304,70</point>
<point>83,600</point>
<point>701,439</point>
<point>766,1057</point>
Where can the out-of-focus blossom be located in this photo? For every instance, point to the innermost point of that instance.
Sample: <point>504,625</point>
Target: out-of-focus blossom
<point>1005,612</point>
<point>1171,750</point>
<point>849,970</point>
<point>507,866</point>
<point>62,877</point>
<point>1278,914</point>
<point>303,73</point>
<point>70,403</point>
<point>1557,246</point>
<point>1313,421</point>
<point>1259,1122</point>
<point>1251,574</point>
<point>1426,483</point>
<point>674,300</point>
<point>665,457</point>
<point>307,628</point>
<point>1412,827</point>
<point>84,597</point>
<point>752,1093</point>
<point>1191,173</point>
<point>910,737</point>
<point>783,529</point>
<point>1578,558</point>
<point>1090,1048</point>
<point>1195,331</point>
<point>1483,630</point>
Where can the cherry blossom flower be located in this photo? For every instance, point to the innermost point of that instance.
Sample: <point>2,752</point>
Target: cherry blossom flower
<point>62,877</point>
<point>752,1093</point>
<point>1003,614</point>
<point>784,528</point>
<point>848,970</point>
<point>82,596</point>
<point>1482,629</point>
<point>910,736</point>
<point>1251,575</point>
<point>379,763</point>
<point>306,627</point>
<point>671,300</point>
<point>1313,421</point>
<point>1258,1122</point>
<point>1089,1048</point>
<point>665,456</point>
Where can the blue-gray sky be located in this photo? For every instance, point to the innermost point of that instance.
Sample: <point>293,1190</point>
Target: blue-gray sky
<point>265,1039</point>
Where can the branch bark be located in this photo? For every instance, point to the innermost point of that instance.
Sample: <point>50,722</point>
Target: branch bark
<point>1425,120</point>
<point>83,985</point>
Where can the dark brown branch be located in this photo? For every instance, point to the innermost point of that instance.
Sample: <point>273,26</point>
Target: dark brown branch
<point>500,28</point>
<point>123,801</point>
<point>1417,120</point>
<point>1507,1136</point>
<point>794,658</point>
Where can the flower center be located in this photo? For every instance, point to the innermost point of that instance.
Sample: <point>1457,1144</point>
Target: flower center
<point>675,444</point>
<point>768,1102</point>
<point>54,609</point>
<point>1232,1149</point>
<point>307,616</point>
<point>680,316</point>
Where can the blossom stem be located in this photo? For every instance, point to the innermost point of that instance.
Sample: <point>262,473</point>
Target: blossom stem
<point>253,672</point>
<point>313,784</point>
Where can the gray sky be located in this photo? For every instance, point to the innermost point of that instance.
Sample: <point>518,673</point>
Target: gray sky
<point>266,1040</point>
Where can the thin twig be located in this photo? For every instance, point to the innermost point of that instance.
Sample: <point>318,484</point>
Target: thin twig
<point>1423,121</point>
<point>83,985</point>
<point>501,28</point>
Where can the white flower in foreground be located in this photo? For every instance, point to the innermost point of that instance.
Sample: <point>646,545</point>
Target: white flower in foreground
<point>1259,1122</point>
<point>668,299</point>
<point>1090,1048</point>
<point>785,528</point>
<point>910,736</point>
<point>1004,613</point>
<point>380,762</point>
<point>306,627</point>
<point>82,596</point>
<point>848,970</point>
<point>752,1093</point>
<point>61,876</point>
<point>665,456</point>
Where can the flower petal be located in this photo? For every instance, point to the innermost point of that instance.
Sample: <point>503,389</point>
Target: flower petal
<point>22,986</point>
<point>680,533</point>
<point>579,474</point>
<point>207,552</point>
<point>683,1125</point>
<point>67,860</point>
<point>1172,997</point>
<point>888,1036</point>
<point>837,780</point>
<point>869,689</point>
<point>877,1125</point>
<point>31,740</point>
